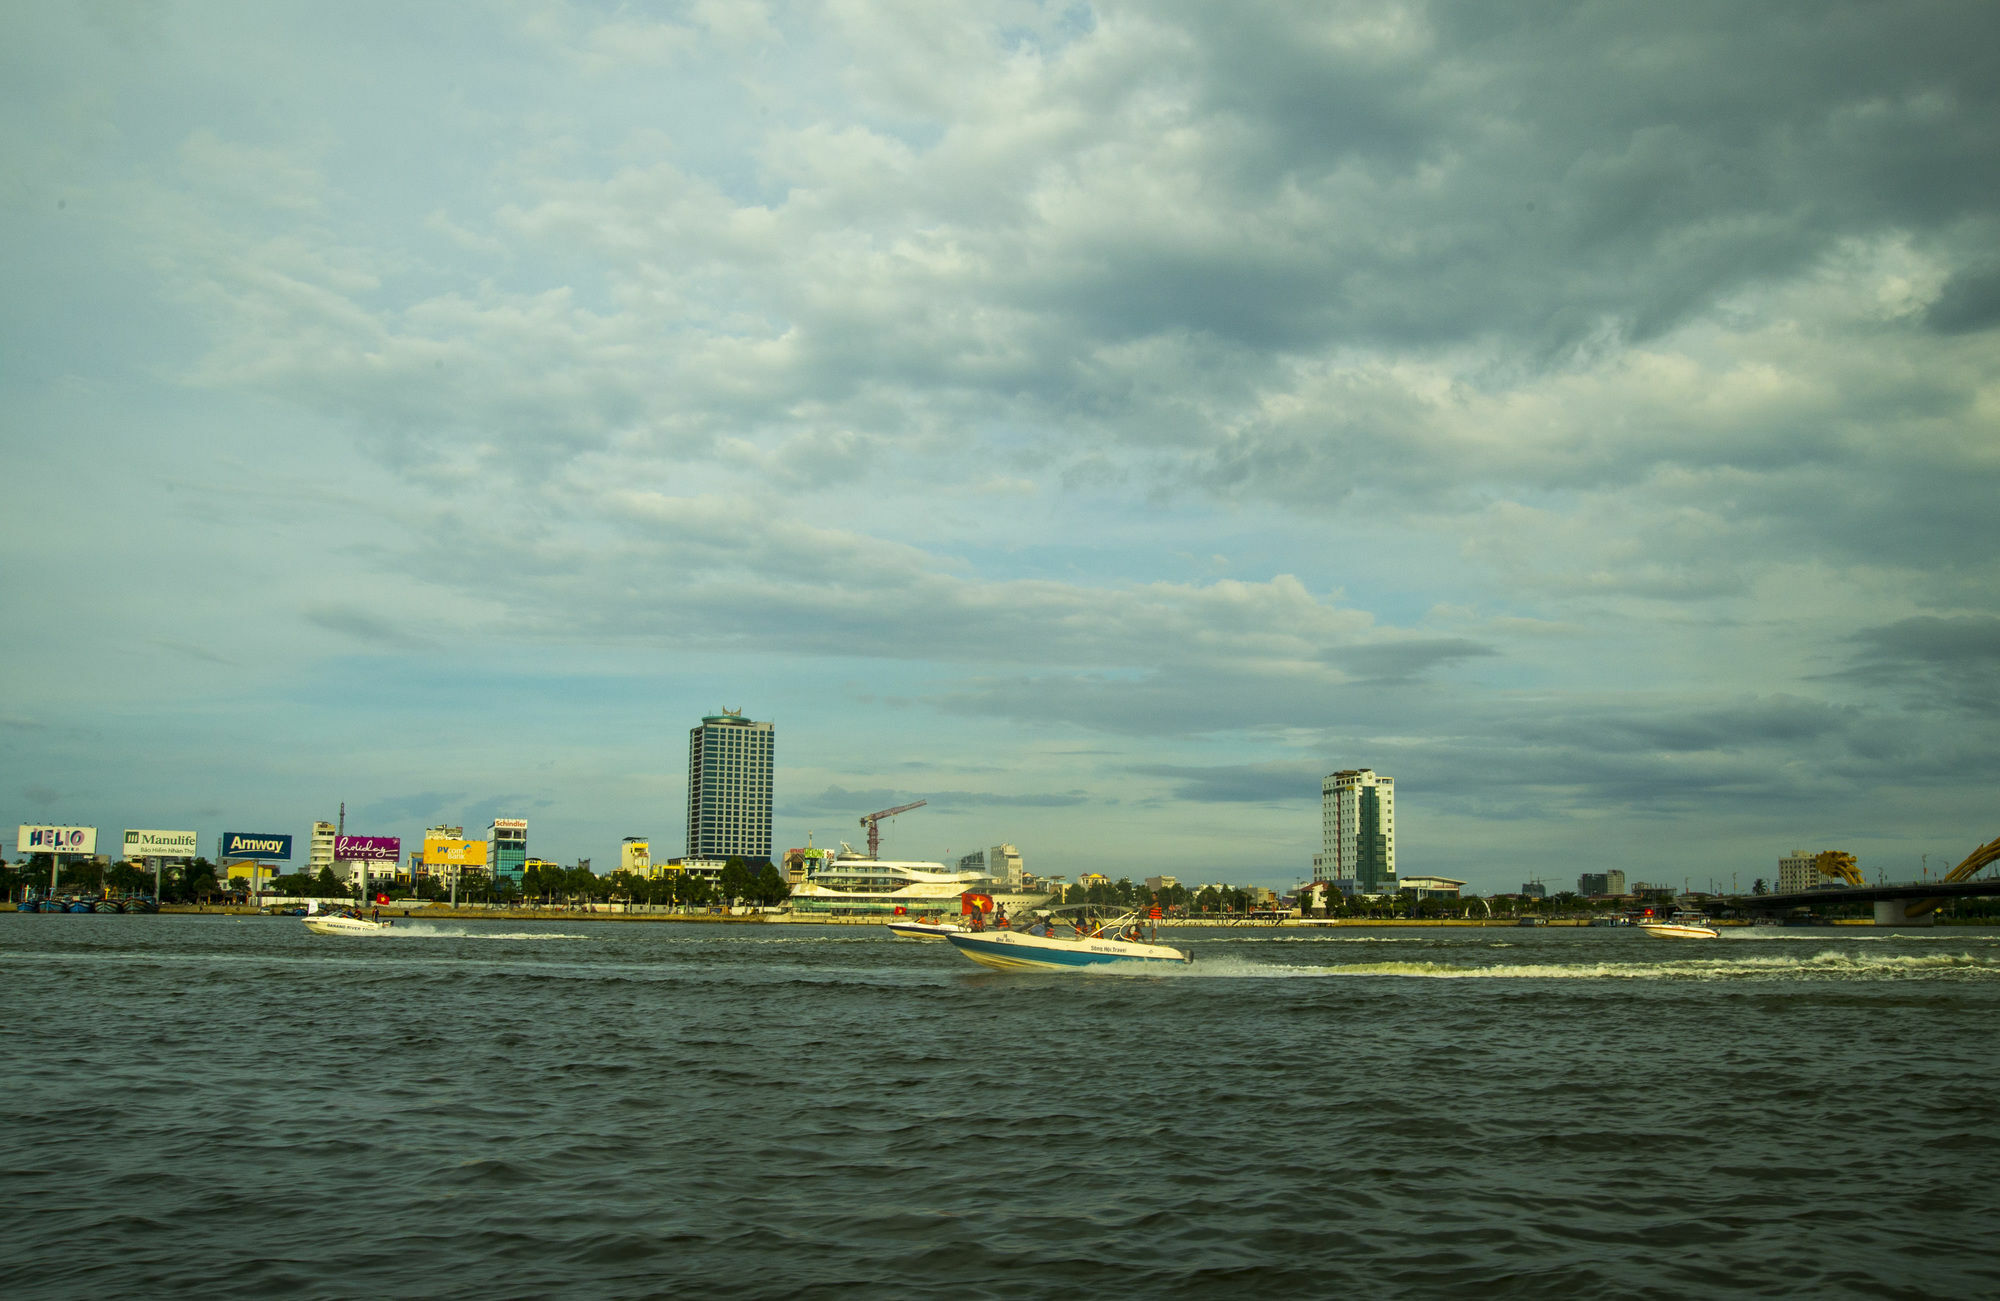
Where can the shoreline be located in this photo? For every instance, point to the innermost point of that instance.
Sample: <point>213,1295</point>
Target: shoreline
<point>762,919</point>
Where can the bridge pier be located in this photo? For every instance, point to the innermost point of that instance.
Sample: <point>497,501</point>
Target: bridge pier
<point>1894,912</point>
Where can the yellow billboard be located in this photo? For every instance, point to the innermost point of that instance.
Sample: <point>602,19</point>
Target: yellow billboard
<point>440,851</point>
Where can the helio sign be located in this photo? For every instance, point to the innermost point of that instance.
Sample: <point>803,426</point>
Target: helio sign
<point>56,840</point>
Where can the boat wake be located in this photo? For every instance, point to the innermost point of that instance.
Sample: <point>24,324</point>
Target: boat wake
<point>1828,965</point>
<point>438,931</point>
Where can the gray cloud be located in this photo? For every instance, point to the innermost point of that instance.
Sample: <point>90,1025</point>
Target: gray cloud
<point>1400,661</point>
<point>404,808</point>
<point>1969,302</point>
<point>1939,662</point>
<point>361,626</point>
<point>838,800</point>
<point>1263,783</point>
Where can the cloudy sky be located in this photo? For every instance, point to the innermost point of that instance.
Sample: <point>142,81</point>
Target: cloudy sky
<point>1101,420</point>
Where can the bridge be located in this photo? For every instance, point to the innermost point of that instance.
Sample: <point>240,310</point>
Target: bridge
<point>1895,905</point>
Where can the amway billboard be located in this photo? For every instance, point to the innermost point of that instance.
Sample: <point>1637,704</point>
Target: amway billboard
<point>244,844</point>
<point>372,849</point>
<point>56,840</point>
<point>442,852</point>
<point>160,844</point>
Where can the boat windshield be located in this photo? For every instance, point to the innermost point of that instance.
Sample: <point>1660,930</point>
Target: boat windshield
<point>1089,921</point>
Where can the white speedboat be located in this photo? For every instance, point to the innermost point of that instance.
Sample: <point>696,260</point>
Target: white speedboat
<point>1682,926</point>
<point>1061,943</point>
<point>344,922</point>
<point>908,928</point>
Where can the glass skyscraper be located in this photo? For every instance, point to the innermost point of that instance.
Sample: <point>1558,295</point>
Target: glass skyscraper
<point>507,848</point>
<point>729,787</point>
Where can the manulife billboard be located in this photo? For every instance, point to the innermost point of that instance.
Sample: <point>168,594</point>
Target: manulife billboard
<point>442,851</point>
<point>161,844</point>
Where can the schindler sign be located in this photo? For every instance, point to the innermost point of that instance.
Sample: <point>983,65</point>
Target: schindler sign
<point>241,844</point>
<point>56,840</point>
<point>160,844</point>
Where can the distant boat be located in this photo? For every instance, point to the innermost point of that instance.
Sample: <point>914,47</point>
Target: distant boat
<point>1682,926</point>
<point>344,922</point>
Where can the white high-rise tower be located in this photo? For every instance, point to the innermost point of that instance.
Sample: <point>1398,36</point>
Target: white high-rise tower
<point>1358,830</point>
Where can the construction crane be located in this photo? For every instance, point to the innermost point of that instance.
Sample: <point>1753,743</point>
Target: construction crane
<point>869,820</point>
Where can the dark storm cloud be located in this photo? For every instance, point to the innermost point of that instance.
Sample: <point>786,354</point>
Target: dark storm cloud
<point>1941,663</point>
<point>1544,169</point>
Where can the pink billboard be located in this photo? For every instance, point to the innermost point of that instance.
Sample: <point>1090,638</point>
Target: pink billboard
<point>372,849</point>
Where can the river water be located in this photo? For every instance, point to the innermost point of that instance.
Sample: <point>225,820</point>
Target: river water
<point>233,1107</point>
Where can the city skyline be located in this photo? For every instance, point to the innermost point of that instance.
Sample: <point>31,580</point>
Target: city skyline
<point>1102,422</point>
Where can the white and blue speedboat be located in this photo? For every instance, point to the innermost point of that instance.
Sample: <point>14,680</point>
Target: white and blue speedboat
<point>1057,943</point>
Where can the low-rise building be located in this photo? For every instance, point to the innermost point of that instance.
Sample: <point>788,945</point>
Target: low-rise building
<point>1004,865</point>
<point>1799,871</point>
<point>1430,887</point>
<point>1162,882</point>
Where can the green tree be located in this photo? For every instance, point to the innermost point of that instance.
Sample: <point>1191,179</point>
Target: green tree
<point>736,880</point>
<point>1758,887</point>
<point>125,878</point>
<point>769,888</point>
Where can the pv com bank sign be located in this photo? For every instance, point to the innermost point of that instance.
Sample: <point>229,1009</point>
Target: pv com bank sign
<point>244,844</point>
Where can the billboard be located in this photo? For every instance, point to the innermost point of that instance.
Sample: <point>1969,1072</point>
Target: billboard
<point>440,851</point>
<point>56,840</point>
<point>160,844</point>
<point>247,844</point>
<point>369,849</point>
<point>510,824</point>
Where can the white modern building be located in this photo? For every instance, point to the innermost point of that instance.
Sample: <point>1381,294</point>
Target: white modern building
<point>1358,830</point>
<point>729,787</point>
<point>1003,864</point>
<point>322,848</point>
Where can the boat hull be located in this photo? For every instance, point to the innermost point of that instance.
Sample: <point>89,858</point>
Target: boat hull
<point>1007,951</point>
<point>344,926</point>
<point>924,930</point>
<point>1681,931</point>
